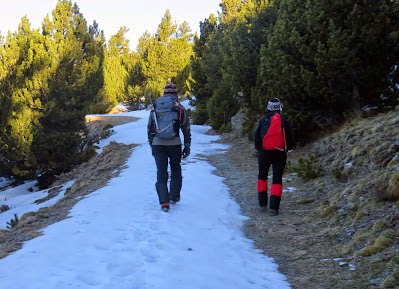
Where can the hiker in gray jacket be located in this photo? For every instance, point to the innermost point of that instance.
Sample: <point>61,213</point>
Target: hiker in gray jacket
<point>166,119</point>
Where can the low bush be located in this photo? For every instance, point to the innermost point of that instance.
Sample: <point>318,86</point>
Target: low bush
<point>379,226</point>
<point>392,281</point>
<point>393,188</point>
<point>307,168</point>
<point>379,244</point>
<point>13,222</point>
<point>4,208</point>
<point>330,210</point>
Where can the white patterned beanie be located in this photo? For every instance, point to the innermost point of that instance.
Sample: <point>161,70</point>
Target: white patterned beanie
<point>274,104</point>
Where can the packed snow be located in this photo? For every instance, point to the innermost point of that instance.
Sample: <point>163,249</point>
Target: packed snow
<point>118,237</point>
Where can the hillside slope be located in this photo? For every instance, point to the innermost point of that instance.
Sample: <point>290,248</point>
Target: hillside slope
<point>338,230</point>
<point>359,186</point>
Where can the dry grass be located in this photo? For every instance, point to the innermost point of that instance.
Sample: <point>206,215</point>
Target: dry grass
<point>95,124</point>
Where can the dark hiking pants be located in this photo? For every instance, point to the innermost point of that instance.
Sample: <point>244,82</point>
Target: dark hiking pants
<point>162,155</point>
<point>277,159</point>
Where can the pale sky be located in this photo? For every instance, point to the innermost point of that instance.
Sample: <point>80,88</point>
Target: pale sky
<point>138,16</point>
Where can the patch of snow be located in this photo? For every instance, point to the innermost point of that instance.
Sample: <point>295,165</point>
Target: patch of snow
<point>4,183</point>
<point>290,189</point>
<point>121,107</point>
<point>24,189</point>
<point>25,202</point>
<point>187,105</point>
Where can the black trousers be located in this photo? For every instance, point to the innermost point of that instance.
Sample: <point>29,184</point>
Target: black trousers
<point>277,159</point>
<point>162,155</point>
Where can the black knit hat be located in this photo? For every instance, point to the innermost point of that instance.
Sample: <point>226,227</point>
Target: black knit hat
<point>170,89</point>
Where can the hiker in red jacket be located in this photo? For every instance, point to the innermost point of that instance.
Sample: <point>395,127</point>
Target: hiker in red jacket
<point>273,138</point>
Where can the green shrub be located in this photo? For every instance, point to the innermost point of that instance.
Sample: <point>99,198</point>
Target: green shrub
<point>307,168</point>
<point>337,173</point>
<point>107,131</point>
<point>347,250</point>
<point>4,208</point>
<point>225,128</point>
<point>13,222</point>
<point>249,123</point>
<point>107,126</point>
<point>377,245</point>
<point>394,261</point>
<point>379,226</point>
<point>362,235</point>
<point>360,214</point>
<point>200,115</point>
<point>391,234</point>
<point>393,188</point>
<point>330,210</point>
<point>305,202</point>
<point>381,186</point>
<point>392,281</point>
<point>288,167</point>
<point>89,153</point>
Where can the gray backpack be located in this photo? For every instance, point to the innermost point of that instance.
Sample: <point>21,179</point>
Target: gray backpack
<point>167,116</point>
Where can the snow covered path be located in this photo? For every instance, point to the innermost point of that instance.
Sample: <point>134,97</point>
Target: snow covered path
<point>118,237</point>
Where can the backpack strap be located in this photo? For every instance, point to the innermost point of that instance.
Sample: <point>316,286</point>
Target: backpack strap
<point>180,111</point>
<point>177,104</point>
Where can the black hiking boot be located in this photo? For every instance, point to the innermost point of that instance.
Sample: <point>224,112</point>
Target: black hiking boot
<point>274,205</point>
<point>262,198</point>
<point>273,212</point>
<point>165,207</point>
<point>174,200</point>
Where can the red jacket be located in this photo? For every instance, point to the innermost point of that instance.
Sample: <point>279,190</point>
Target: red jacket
<point>268,134</point>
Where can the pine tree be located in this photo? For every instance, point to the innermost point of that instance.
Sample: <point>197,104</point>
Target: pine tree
<point>180,55</point>
<point>115,71</point>
<point>166,55</point>
<point>326,57</point>
<point>228,56</point>
<point>48,81</point>
<point>23,85</point>
<point>199,86</point>
<point>77,56</point>
<point>390,96</point>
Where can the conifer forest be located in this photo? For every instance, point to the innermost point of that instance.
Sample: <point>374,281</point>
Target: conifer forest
<point>325,60</point>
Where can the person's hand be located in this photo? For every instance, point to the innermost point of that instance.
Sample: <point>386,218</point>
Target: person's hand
<point>186,151</point>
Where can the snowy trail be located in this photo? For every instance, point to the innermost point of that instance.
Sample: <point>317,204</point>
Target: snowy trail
<point>118,237</point>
